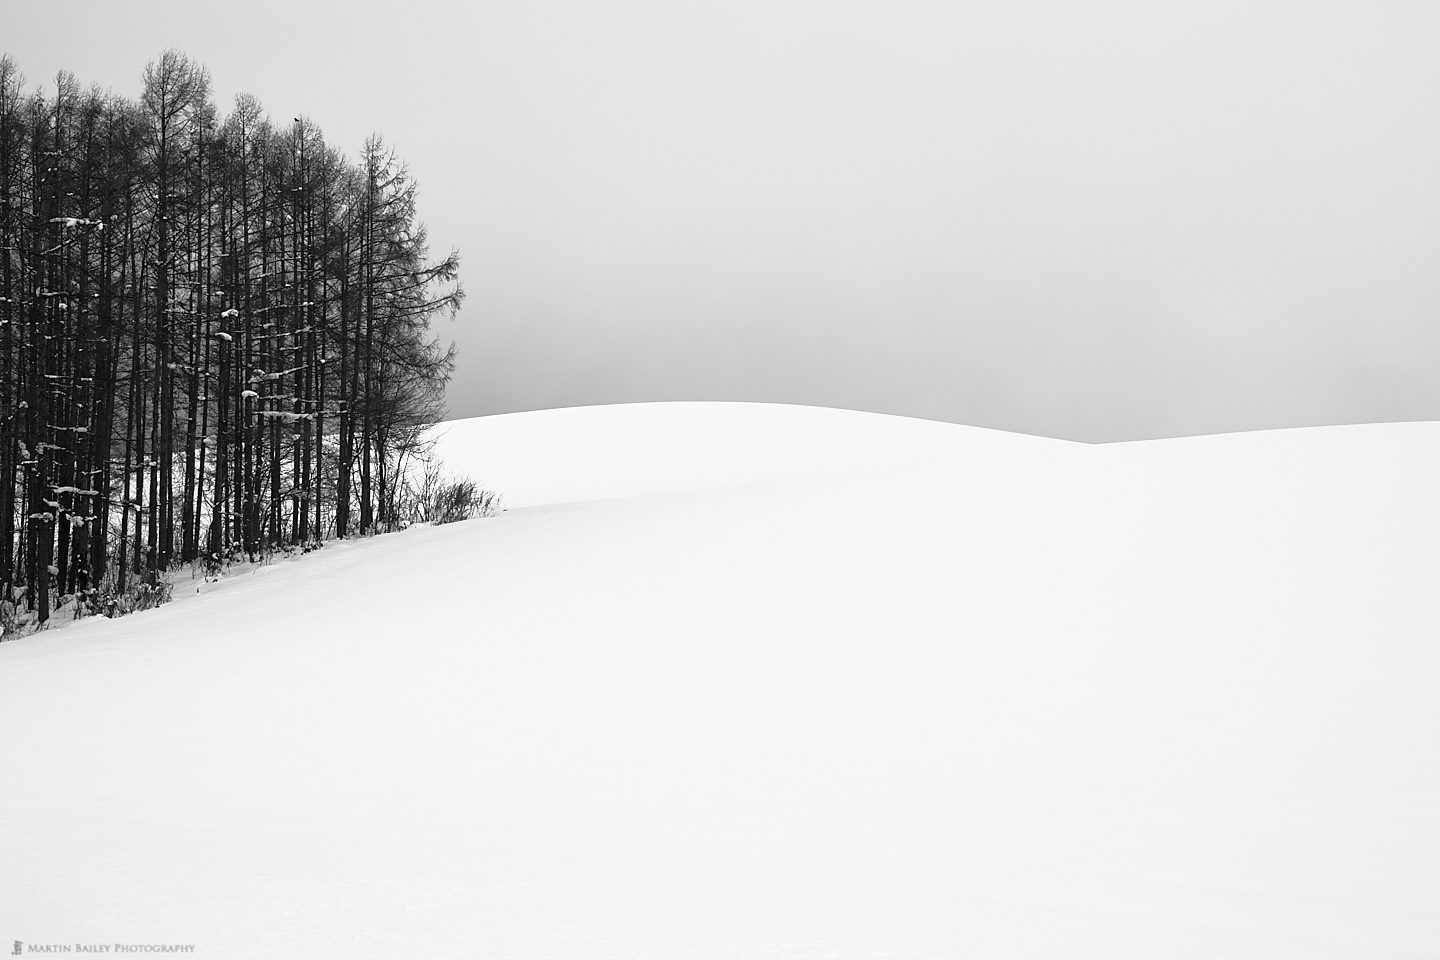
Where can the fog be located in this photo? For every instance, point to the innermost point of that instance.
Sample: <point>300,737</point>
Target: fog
<point>1101,221</point>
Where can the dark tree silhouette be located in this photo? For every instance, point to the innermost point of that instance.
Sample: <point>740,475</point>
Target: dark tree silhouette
<point>215,336</point>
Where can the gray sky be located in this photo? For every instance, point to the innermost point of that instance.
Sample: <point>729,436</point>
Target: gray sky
<point>1098,220</point>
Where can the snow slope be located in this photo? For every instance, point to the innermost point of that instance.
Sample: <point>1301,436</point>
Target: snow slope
<point>641,449</point>
<point>747,681</point>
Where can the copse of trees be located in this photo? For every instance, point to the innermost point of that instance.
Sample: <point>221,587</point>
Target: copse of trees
<point>214,335</point>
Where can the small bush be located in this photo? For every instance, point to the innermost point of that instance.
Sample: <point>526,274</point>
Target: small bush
<point>455,500</point>
<point>136,596</point>
<point>461,500</point>
<point>105,601</point>
<point>11,620</point>
<point>426,493</point>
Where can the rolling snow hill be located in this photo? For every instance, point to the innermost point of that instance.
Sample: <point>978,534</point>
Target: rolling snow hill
<point>746,681</point>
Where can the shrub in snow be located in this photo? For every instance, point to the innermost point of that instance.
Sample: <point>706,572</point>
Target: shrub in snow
<point>137,596</point>
<point>18,617</point>
<point>427,494</point>
<point>462,499</point>
<point>10,620</point>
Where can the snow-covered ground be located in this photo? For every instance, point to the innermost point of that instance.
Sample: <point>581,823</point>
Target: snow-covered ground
<point>744,681</point>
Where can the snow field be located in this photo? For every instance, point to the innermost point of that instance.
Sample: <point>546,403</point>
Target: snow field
<point>749,681</point>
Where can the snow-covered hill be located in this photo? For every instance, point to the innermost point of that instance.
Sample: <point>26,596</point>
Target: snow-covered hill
<point>746,681</point>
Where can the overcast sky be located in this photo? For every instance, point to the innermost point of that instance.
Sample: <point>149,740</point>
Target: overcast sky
<point>1097,220</point>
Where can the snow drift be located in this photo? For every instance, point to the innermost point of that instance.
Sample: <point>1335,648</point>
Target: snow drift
<point>748,681</point>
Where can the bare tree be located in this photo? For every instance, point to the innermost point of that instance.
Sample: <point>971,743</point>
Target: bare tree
<point>214,335</point>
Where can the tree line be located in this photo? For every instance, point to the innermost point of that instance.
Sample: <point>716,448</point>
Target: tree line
<point>214,335</point>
